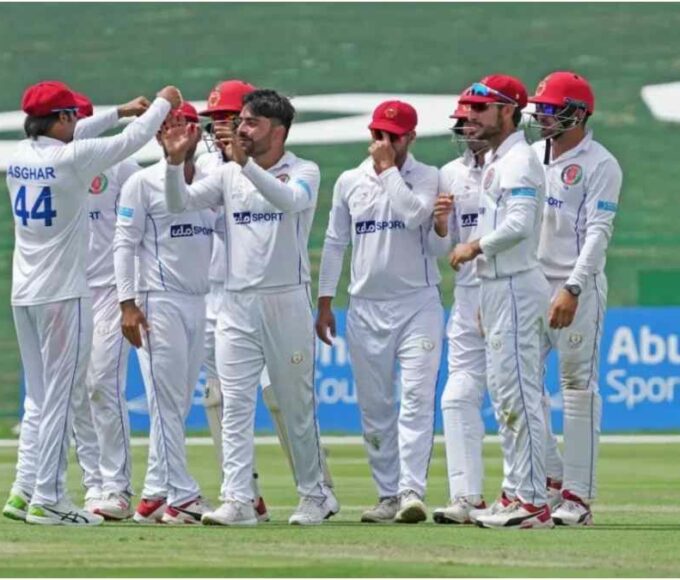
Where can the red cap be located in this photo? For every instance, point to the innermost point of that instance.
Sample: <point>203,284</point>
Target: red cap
<point>394,117</point>
<point>46,98</point>
<point>497,87</point>
<point>85,108</point>
<point>188,111</point>
<point>462,109</point>
<point>560,88</point>
<point>227,97</point>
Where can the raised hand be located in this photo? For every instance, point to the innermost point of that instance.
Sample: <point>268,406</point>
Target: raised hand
<point>383,153</point>
<point>443,206</point>
<point>134,108</point>
<point>226,134</point>
<point>172,95</point>
<point>178,139</point>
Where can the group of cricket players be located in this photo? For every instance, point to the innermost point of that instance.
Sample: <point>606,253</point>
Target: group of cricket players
<point>203,263</point>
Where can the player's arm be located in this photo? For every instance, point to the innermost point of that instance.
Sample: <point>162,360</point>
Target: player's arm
<point>413,206</point>
<point>604,188</point>
<point>438,241</point>
<point>338,236</point>
<point>99,123</point>
<point>129,232</point>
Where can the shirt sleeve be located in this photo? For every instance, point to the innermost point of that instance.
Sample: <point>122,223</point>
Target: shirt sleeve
<point>203,194</point>
<point>299,194</point>
<point>127,169</point>
<point>436,245</point>
<point>338,237</point>
<point>522,186</point>
<point>446,182</point>
<point>413,206</point>
<point>92,156</point>
<point>129,233</point>
<point>95,125</point>
<point>602,202</point>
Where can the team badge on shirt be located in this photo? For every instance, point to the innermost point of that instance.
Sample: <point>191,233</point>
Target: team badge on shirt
<point>488,178</point>
<point>99,184</point>
<point>572,174</point>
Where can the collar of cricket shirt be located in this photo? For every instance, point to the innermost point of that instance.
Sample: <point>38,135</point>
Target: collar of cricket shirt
<point>583,146</point>
<point>286,160</point>
<point>504,147</point>
<point>45,140</point>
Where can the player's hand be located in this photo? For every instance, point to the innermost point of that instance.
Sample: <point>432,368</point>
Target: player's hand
<point>325,321</point>
<point>172,95</point>
<point>463,253</point>
<point>383,153</point>
<point>226,134</point>
<point>134,108</point>
<point>132,318</point>
<point>178,139</point>
<point>443,206</point>
<point>562,309</point>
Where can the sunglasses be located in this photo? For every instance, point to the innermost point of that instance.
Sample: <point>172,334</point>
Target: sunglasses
<point>481,90</point>
<point>545,109</point>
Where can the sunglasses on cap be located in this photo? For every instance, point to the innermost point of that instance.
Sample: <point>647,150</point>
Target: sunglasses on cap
<point>72,110</point>
<point>481,90</point>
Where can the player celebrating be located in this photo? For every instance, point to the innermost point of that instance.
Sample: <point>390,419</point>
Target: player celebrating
<point>384,208</point>
<point>584,182</point>
<point>174,256</point>
<point>513,297</point>
<point>269,196</point>
<point>464,391</point>
<point>48,182</point>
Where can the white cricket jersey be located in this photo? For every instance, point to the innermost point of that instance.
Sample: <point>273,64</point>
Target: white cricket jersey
<point>462,178</point>
<point>174,249</point>
<point>511,206</point>
<point>583,187</point>
<point>206,164</point>
<point>48,182</point>
<point>388,220</point>
<point>268,217</point>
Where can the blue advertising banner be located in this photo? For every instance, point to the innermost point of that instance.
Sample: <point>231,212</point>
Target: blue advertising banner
<point>639,375</point>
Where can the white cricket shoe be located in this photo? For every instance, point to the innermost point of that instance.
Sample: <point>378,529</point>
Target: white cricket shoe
<point>190,512</point>
<point>500,504</point>
<point>518,515</point>
<point>331,504</point>
<point>93,498</point>
<point>384,511</point>
<point>311,511</point>
<point>457,512</point>
<point>554,493</point>
<point>572,511</point>
<point>231,513</point>
<point>411,508</point>
<point>114,506</point>
<point>62,513</point>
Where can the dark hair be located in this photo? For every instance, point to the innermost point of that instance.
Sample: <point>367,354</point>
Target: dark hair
<point>34,127</point>
<point>517,116</point>
<point>270,104</point>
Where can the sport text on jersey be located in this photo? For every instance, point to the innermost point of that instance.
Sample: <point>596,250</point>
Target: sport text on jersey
<point>372,226</point>
<point>246,217</point>
<point>468,220</point>
<point>189,230</point>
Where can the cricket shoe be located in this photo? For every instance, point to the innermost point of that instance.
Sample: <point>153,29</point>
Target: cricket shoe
<point>150,510</point>
<point>411,508</point>
<point>384,511</point>
<point>62,513</point>
<point>311,511</point>
<point>93,498</point>
<point>518,515</point>
<point>16,506</point>
<point>261,512</point>
<point>457,512</point>
<point>554,488</point>
<point>190,512</point>
<point>231,513</point>
<point>331,504</point>
<point>573,511</point>
<point>500,504</point>
<point>114,506</point>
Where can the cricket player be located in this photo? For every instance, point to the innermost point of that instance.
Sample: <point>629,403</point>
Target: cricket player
<point>48,180</point>
<point>513,298</point>
<point>168,303</point>
<point>101,422</point>
<point>463,395</point>
<point>583,187</point>
<point>384,208</point>
<point>269,196</point>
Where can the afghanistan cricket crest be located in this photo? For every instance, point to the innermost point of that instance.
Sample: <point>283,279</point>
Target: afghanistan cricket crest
<point>572,174</point>
<point>99,184</point>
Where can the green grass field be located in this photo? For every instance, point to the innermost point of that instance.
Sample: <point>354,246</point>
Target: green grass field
<point>637,529</point>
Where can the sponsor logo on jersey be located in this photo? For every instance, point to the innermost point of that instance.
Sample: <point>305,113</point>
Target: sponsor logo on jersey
<point>554,202</point>
<point>468,220</point>
<point>37,173</point>
<point>189,230</point>
<point>572,174</point>
<point>488,178</point>
<point>126,212</point>
<point>523,192</point>
<point>372,226</point>
<point>607,206</point>
<point>99,184</point>
<point>247,217</point>
<point>95,215</point>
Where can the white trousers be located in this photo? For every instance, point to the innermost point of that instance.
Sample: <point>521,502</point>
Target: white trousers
<point>578,350</point>
<point>380,334</point>
<point>277,329</point>
<point>86,444</point>
<point>513,311</point>
<point>170,360</point>
<point>54,341</point>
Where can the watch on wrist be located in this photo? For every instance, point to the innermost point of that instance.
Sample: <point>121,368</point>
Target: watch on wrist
<point>573,289</point>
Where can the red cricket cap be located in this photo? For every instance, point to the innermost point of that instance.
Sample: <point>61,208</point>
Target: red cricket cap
<point>188,111</point>
<point>462,109</point>
<point>47,97</point>
<point>497,89</point>
<point>562,87</point>
<point>227,97</point>
<point>85,108</point>
<point>394,117</point>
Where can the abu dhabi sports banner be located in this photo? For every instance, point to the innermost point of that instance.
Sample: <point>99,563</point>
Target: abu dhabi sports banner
<point>639,376</point>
